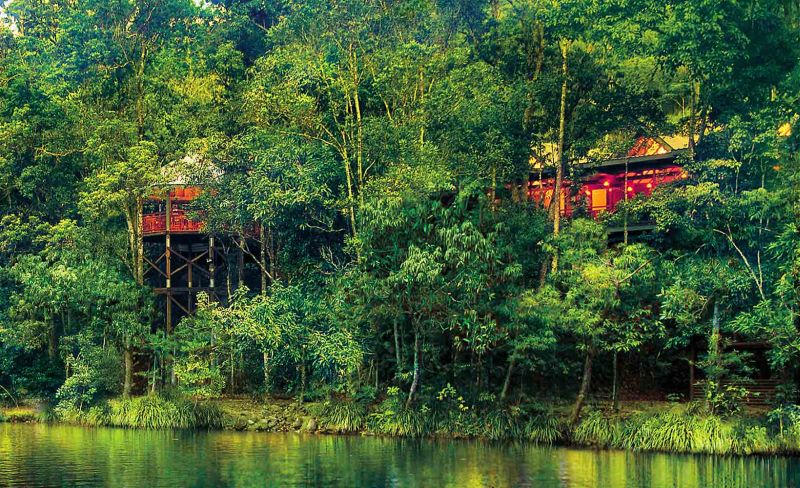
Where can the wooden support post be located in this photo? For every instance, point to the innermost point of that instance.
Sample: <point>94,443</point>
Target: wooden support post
<point>625,197</point>
<point>211,266</point>
<point>189,265</point>
<point>168,264</point>
<point>168,260</point>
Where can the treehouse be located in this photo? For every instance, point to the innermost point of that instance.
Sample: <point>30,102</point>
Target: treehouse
<point>179,259</point>
<point>182,257</point>
<point>650,163</point>
<point>174,202</point>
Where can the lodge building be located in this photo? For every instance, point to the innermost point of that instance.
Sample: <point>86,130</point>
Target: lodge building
<point>650,163</point>
<point>182,259</point>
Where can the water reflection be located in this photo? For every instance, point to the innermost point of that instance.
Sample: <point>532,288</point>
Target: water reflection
<point>40,455</point>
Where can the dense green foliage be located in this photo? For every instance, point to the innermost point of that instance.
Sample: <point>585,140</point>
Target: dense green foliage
<point>376,147</point>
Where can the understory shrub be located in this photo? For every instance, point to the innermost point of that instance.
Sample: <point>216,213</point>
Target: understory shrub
<point>392,417</point>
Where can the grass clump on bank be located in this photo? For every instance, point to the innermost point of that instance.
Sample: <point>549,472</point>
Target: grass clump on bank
<point>676,428</point>
<point>684,429</point>
<point>20,415</point>
<point>545,429</point>
<point>343,416</point>
<point>148,412</point>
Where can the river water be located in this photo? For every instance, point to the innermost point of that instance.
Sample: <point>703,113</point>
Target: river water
<point>47,455</point>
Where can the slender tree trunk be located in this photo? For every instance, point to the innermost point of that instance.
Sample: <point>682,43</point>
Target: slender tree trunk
<point>140,94</point>
<point>625,196</point>
<point>153,375</point>
<point>714,352</point>
<point>360,148</point>
<point>507,382</point>
<point>139,243</point>
<point>692,119</point>
<point>397,355</point>
<point>228,279</point>
<point>615,386</point>
<point>240,263</point>
<point>350,195</point>
<point>303,376</point>
<point>543,271</point>
<point>52,341</point>
<point>272,254</point>
<point>412,393</point>
<point>232,372</point>
<point>562,124</point>
<point>263,258</point>
<point>585,383</point>
<point>127,356</point>
<point>266,371</point>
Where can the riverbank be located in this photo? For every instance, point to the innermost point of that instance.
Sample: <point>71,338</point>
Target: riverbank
<point>651,426</point>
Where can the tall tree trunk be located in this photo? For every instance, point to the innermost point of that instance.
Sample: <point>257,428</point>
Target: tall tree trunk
<point>693,101</point>
<point>266,371</point>
<point>714,352</point>
<point>272,254</point>
<point>233,372</point>
<point>303,375</point>
<point>398,356</point>
<point>543,271</point>
<point>562,124</point>
<point>625,196</point>
<point>350,194</point>
<point>263,258</point>
<point>585,383</point>
<point>154,372</point>
<point>140,94</point>
<point>507,382</point>
<point>412,393</point>
<point>127,356</point>
<point>615,383</point>
<point>139,243</point>
<point>52,340</point>
<point>360,147</point>
<point>228,278</point>
<point>240,263</point>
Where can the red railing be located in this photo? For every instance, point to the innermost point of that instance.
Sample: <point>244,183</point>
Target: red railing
<point>179,222</point>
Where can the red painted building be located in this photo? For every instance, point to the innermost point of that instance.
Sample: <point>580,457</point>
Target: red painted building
<point>649,164</point>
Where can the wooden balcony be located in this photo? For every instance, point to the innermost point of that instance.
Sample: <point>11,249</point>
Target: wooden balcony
<point>180,223</point>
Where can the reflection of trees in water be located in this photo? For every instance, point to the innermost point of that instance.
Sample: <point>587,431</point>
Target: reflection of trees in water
<point>64,456</point>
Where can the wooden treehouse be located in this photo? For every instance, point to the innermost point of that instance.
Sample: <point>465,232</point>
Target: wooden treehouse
<point>179,258</point>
